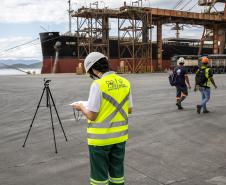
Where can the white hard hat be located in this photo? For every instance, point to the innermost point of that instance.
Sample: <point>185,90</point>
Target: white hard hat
<point>92,58</point>
<point>181,60</point>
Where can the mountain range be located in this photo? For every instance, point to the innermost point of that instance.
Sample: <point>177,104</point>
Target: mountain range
<point>20,64</point>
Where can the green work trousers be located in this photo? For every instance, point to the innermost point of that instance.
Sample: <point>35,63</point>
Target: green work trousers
<point>107,164</point>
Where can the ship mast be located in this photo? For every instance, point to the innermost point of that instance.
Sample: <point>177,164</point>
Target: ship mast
<point>69,14</point>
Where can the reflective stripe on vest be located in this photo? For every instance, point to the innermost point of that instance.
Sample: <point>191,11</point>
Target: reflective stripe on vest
<point>107,122</point>
<point>106,136</point>
<point>207,84</point>
<point>111,124</point>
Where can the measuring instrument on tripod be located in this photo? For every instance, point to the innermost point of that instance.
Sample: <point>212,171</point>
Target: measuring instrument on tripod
<point>49,104</point>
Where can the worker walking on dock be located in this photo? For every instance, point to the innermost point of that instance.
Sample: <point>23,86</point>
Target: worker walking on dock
<point>181,80</point>
<point>107,110</point>
<point>204,77</point>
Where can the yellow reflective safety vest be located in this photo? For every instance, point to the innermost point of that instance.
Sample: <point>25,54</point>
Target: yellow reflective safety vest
<point>111,124</point>
<point>207,83</point>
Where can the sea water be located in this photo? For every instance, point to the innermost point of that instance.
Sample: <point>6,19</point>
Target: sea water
<point>17,72</point>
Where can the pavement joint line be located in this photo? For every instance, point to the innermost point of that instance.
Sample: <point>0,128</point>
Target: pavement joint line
<point>157,113</point>
<point>165,163</point>
<point>197,176</point>
<point>68,135</point>
<point>33,163</point>
<point>37,162</point>
<point>222,167</point>
<point>176,181</point>
<point>153,179</point>
<point>173,111</point>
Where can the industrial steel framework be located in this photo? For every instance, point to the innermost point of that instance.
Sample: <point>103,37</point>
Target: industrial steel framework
<point>134,32</point>
<point>134,35</point>
<point>213,32</point>
<point>92,33</point>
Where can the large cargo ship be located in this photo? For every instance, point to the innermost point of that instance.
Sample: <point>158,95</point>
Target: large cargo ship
<point>61,50</point>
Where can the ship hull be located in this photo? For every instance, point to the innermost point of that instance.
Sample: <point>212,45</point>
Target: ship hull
<point>60,55</point>
<point>69,65</point>
<point>63,65</point>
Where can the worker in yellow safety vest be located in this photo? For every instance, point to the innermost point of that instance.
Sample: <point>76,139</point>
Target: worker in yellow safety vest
<point>109,103</point>
<point>203,80</point>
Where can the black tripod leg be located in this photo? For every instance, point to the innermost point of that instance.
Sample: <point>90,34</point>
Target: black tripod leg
<point>57,113</point>
<point>34,117</point>
<point>54,137</point>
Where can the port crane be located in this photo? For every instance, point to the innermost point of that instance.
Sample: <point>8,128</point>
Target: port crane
<point>216,32</point>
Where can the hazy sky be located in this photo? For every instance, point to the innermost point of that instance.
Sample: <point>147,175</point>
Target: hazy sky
<point>21,21</point>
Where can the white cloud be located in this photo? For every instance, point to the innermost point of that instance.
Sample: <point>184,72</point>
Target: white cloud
<point>28,51</point>
<point>23,11</point>
<point>19,11</point>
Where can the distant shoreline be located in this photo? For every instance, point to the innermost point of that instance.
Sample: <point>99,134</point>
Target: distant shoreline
<point>9,72</point>
<point>20,65</point>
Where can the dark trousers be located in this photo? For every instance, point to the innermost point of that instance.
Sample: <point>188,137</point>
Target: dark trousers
<point>107,164</point>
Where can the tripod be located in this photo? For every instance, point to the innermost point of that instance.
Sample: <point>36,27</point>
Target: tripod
<point>49,100</point>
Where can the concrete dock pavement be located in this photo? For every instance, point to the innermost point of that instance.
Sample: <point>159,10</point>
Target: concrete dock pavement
<point>165,147</point>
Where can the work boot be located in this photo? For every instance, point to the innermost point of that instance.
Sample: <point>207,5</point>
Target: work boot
<point>179,106</point>
<point>206,111</point>
<point>199,109</point>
